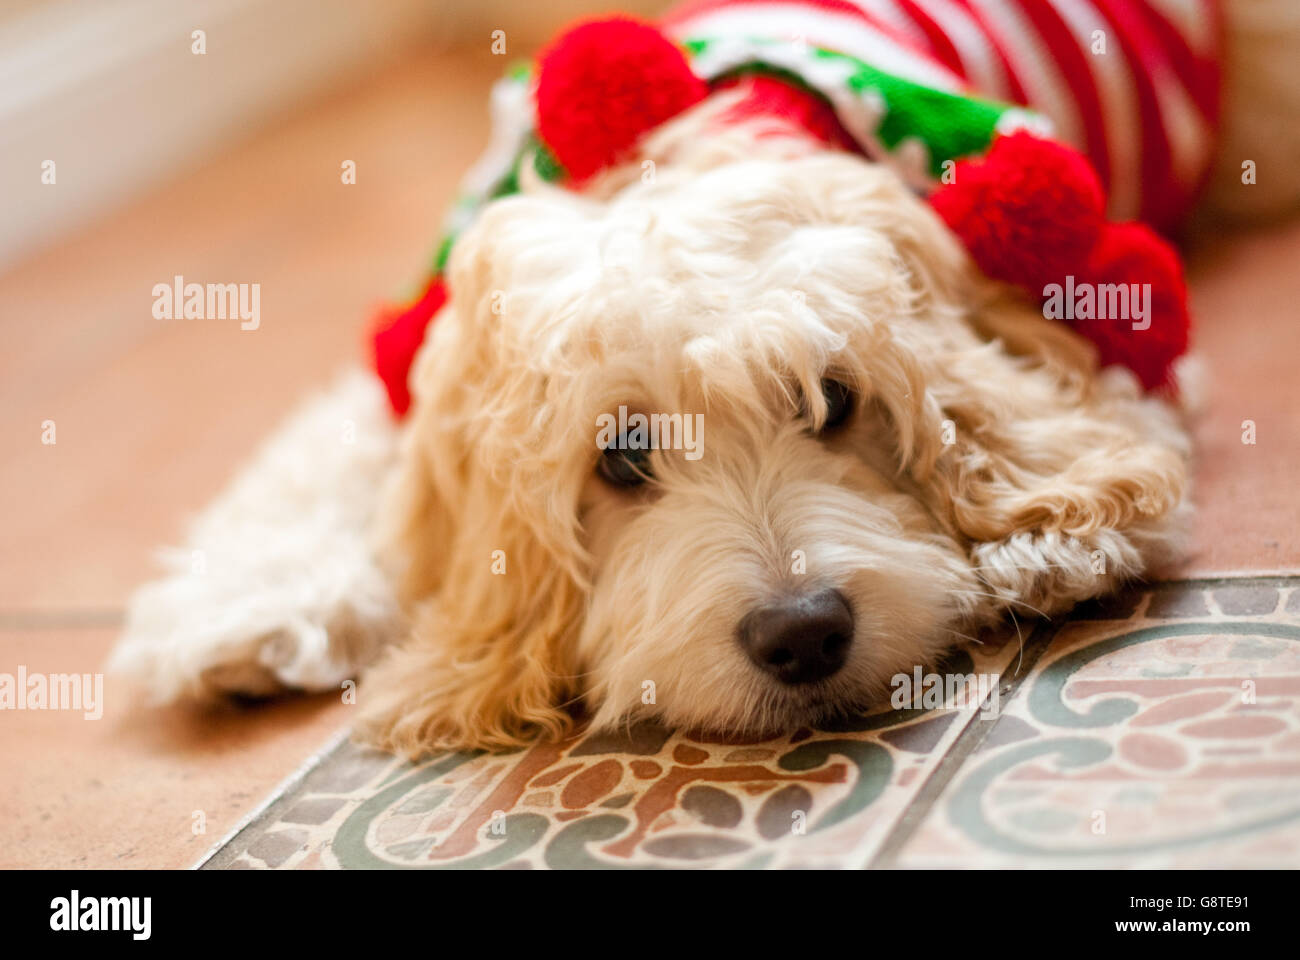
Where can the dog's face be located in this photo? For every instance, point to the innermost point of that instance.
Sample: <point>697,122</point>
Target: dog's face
<point>829,439</point>
<point>764,563</point>
<point>781,577</point>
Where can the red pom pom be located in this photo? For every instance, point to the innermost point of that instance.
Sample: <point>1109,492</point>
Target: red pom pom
<point>1029,212</point>
<point>602,85</point>
<point>397,335</point>
<point>1133,254</point>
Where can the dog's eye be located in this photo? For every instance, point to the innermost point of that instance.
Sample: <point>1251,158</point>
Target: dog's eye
<point>839,403</point>
<point>624,467</point>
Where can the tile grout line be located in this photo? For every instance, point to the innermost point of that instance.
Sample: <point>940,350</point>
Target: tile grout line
<point>967,742</point>
<point>71,618</point>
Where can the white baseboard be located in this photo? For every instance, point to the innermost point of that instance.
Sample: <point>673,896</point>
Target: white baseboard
<point>111,92</point>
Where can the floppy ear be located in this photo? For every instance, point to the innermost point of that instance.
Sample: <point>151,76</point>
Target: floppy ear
<point>1030,449</point>
<point>473,532</point>
<point>1065,481</point>
<point>1018,444</point>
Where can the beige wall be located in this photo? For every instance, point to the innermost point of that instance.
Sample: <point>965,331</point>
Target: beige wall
<point>110,90</point>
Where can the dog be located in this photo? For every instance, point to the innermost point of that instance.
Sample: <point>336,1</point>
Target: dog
<point>897,452</point>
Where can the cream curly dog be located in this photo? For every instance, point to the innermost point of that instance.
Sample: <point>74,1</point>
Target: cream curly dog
<point>896,452</point>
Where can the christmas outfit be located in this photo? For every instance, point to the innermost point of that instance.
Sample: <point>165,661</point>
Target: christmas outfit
<point>1051,135</point>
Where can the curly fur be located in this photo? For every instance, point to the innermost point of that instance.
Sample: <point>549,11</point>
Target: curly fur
<point>277,587</point>
<point>988,467</point>
<point>748,270</point>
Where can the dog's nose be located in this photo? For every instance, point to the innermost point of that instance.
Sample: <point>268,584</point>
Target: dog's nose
<point>802,639</point>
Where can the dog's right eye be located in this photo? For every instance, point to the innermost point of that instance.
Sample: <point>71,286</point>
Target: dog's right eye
<point>839,399</point>
<point>623,467</point>
<point>839,404</point>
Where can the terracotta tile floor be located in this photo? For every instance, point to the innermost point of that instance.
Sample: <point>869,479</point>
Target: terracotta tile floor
<point>1245,291</point>
<point>124,790</point>
<point>152,417</point>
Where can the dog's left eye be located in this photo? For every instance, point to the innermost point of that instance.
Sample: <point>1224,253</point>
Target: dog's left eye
<point>839,403</point>
<point>624,467</point>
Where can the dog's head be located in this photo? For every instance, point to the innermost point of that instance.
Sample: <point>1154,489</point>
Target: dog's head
<point>720,445</point>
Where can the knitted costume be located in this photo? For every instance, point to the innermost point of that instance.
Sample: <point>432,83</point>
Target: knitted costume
<point>962,98</point>
<point>1132,83</point>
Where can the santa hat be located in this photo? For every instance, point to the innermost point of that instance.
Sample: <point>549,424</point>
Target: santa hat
<point>1030,210</point>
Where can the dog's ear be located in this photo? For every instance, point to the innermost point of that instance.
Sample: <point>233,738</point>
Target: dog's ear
<point>479,531</point>
<point>1036,442</point>
<point>1063,481</point>
<point>487,662</point>
<point>1002,420</point>
<point>1064,487</point>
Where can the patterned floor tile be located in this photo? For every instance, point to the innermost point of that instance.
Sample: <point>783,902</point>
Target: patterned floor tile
<point>1158,728</point>
<point>1169,737</point>
<point>648,798</point>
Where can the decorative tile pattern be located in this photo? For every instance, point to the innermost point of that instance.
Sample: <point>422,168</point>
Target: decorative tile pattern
<point>1167,739</point>
<point>1158,728</point>
<point>645,798</point>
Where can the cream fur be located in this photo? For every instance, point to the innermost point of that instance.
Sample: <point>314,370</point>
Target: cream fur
<point>749,269</point>
<point>276,586</point>
<point>988,469</point>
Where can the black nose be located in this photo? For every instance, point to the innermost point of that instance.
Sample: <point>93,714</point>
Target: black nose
<point>802,639</point>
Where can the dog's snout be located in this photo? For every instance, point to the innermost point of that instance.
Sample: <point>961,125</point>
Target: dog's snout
<point>802,639</point>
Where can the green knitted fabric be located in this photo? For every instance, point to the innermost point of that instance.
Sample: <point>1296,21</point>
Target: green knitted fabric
<point>915,129</point>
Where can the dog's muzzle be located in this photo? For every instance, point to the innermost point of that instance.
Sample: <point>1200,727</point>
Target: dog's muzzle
<point>802,639</point>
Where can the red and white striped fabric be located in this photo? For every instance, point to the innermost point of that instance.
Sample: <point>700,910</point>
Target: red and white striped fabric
<point>1132,83</point>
